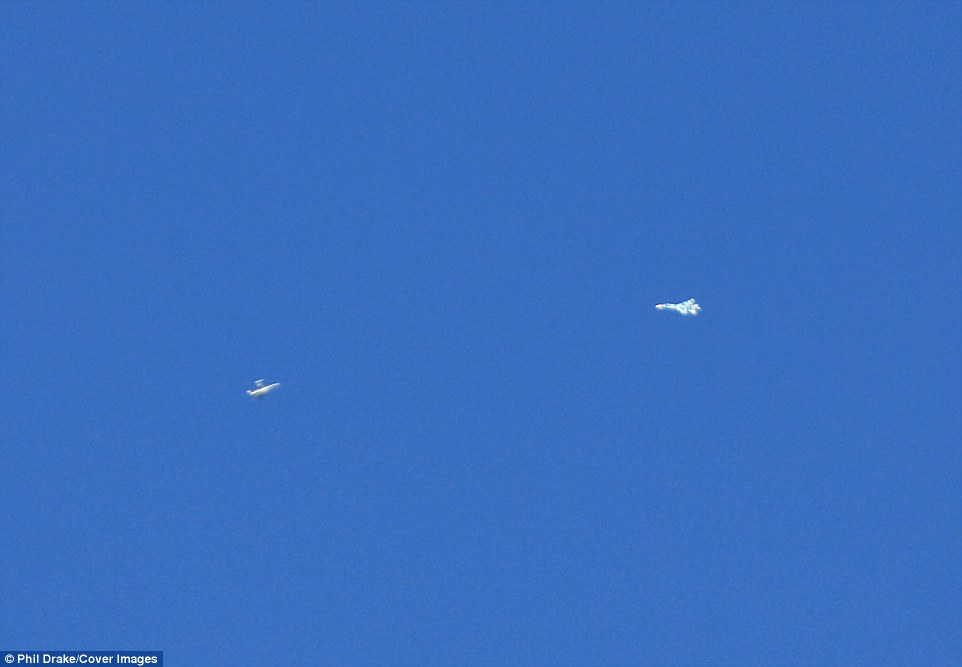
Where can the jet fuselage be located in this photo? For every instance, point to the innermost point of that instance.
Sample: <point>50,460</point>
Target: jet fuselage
<point>261,391</point>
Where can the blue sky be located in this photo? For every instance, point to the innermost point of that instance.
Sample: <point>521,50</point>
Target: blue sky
<point>443,228</point>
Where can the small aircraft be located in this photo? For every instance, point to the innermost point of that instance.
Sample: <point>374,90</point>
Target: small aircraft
<point>260,389</point>
<point>685,308</point>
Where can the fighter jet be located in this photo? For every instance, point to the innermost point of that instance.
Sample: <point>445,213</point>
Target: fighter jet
<point>685,308</point>
<point>260,389</point>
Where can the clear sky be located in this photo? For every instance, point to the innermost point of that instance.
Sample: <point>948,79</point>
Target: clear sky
<point>443,227</point>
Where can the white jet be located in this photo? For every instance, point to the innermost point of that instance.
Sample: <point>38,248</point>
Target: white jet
<point>685,308</point>
<point>260,389</point>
